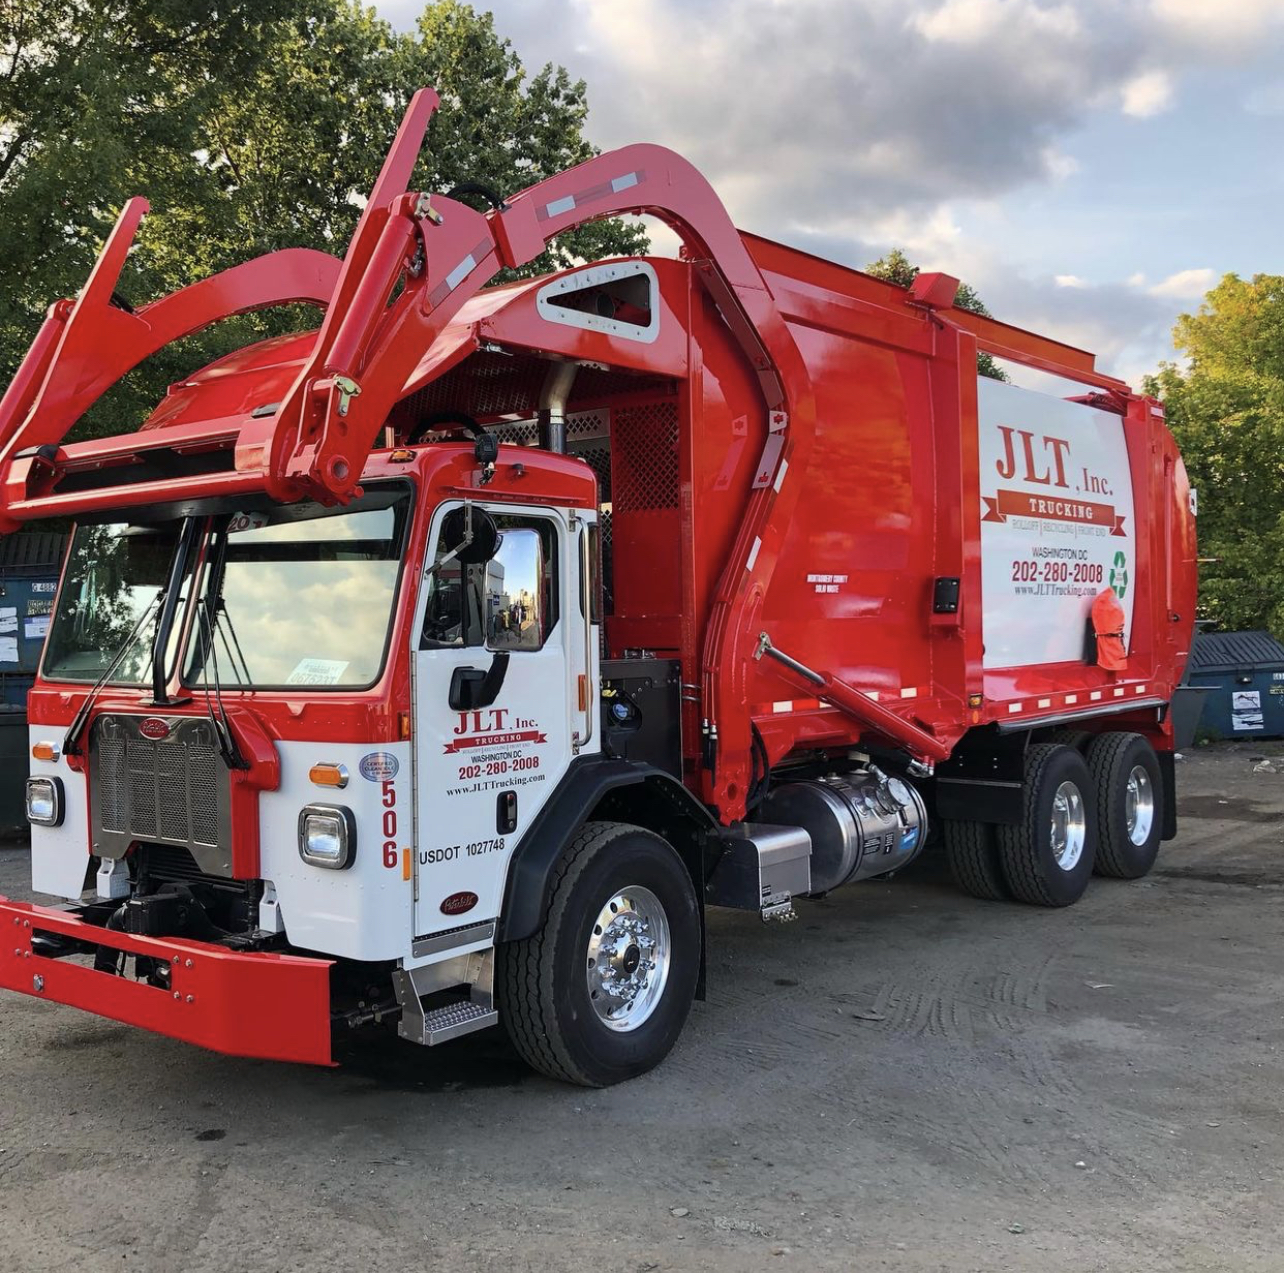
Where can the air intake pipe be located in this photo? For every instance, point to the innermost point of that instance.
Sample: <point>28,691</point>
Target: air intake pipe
<point>552,406</point>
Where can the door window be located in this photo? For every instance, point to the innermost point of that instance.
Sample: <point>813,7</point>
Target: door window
<point>507,604</point>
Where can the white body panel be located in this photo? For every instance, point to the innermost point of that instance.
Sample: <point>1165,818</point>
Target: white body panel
<point>522,743</point>
<point>1057,523</point>
<point>363,911</point>
<point>60,856</point>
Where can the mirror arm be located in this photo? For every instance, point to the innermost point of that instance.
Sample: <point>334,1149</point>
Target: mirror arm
<point>451,554</point>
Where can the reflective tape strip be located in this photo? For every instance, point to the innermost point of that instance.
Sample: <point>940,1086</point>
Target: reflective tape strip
<point>782,706</point>
<point>1119,690</point>
<point>1072,699</point>
<point>1140,690</point>
<point>1014,708</point>
<point>461,272</point>
<point>1095,695</point>
<point>626,181</point>
<point>780,475</point>
<point>753,553</point>
<point>909,692</point>
<point>1045,703</point>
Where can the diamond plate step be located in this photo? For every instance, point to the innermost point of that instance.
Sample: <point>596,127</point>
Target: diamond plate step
<point>449,1021</point>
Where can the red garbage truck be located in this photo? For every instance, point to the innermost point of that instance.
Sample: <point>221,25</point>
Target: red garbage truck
<point>441,667</point>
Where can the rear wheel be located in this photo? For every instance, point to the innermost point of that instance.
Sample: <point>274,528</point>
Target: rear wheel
<point>1129,799</point>
<point>973,856</point>
<point>600,993</point>
<point>1047,857</point>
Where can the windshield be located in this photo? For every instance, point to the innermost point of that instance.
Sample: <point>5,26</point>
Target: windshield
<point>115,572</point>
<point>306,597</point>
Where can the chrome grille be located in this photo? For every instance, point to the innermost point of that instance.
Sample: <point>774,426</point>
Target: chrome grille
<point>174,791</point>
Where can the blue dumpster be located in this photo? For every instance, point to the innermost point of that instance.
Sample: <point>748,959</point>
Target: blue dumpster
<point>29,567</point>
<point>1245,676</point>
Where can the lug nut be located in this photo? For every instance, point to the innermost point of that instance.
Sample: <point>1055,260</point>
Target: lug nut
<point>38,983</point>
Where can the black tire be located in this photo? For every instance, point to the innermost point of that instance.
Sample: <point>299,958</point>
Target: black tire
<point>1111,760</point>
<point>973,856</point>
<point>541,985</point>
<point>1030,864</point>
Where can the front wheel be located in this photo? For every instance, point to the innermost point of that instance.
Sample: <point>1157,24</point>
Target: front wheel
<point>601,991</point>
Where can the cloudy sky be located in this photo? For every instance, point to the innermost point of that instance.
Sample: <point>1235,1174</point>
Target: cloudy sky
<point>1091,166</point>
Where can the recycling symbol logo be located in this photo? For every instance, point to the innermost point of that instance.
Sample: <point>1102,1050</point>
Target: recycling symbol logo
<point>1119,574</point>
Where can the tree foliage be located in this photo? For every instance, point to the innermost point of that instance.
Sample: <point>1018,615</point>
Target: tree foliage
<point>897,268</point>
<point>250,125</point>
<point>1226,409</point>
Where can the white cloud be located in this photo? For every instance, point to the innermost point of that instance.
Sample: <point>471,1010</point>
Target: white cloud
<point>1137,280</point>
<point>1058,165</point>
<point>1147,94</point>
<point>1227,27</point>
<point>976,21</point>
<point>1069,281</point>
<point>1185,284</point>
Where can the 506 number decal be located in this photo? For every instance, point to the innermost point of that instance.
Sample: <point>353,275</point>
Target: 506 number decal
<point>391,854</point>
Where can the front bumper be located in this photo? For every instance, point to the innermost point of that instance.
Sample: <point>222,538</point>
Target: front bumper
<point>250,1004</point>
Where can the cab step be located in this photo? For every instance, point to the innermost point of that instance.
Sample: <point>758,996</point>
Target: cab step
<point>448,1021</point>
<point>468,978</point>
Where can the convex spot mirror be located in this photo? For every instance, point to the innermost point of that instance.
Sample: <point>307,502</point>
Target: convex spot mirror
<point>484,542</point>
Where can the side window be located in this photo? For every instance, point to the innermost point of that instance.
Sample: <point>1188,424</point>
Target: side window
<point>507,604</point>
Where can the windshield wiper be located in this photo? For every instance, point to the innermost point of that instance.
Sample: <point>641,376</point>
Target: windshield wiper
<point>208,623</point>
<point>187,540</point>
<point>71,740</point>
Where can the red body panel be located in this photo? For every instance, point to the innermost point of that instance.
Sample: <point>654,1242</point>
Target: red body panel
<point>252,1004</point>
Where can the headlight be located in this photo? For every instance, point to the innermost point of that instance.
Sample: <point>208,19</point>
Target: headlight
<point>327,836</point>
<point>44,800</point>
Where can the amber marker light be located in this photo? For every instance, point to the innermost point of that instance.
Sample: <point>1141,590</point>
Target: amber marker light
<point>329,775</point>
<point>45,752</point>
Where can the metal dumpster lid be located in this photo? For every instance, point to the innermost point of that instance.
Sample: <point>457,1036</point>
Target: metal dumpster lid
<point>1236,652</point>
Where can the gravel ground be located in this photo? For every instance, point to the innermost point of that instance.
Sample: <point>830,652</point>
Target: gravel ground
<point>904,1079</point>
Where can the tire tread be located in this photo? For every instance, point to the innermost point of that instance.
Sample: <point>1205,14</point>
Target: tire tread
<point>1103,754</point>
<point>973,857</point>
<point>525,968</point>
<point>1018,845</point>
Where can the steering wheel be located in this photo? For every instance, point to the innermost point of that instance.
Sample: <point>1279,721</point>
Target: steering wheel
<point>436,420</point>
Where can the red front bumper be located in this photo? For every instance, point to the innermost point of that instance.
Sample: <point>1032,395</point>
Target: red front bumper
<point>252,1004</point>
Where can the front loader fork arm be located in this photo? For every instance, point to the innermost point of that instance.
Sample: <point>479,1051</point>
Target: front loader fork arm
<point>85,345</point>
<point>442,253</point>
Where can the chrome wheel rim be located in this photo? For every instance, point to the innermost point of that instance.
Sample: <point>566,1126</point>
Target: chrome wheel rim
<point>629,954</point>
<point>1069,825</point>
<point>1139,805</point>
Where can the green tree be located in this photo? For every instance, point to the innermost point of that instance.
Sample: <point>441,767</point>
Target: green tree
<point>1226,408</point>
<point>897,268</point>
<point>250,125</point>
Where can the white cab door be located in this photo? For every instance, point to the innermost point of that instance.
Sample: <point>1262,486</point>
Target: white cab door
<point>514,629</point>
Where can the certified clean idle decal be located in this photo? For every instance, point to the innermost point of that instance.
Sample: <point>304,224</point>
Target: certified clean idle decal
<point>378,766</point>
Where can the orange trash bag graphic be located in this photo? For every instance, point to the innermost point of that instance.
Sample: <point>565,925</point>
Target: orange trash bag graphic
<point>1108,624</point>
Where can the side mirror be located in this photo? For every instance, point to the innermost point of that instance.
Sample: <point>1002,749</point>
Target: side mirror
<point>473,540</point>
